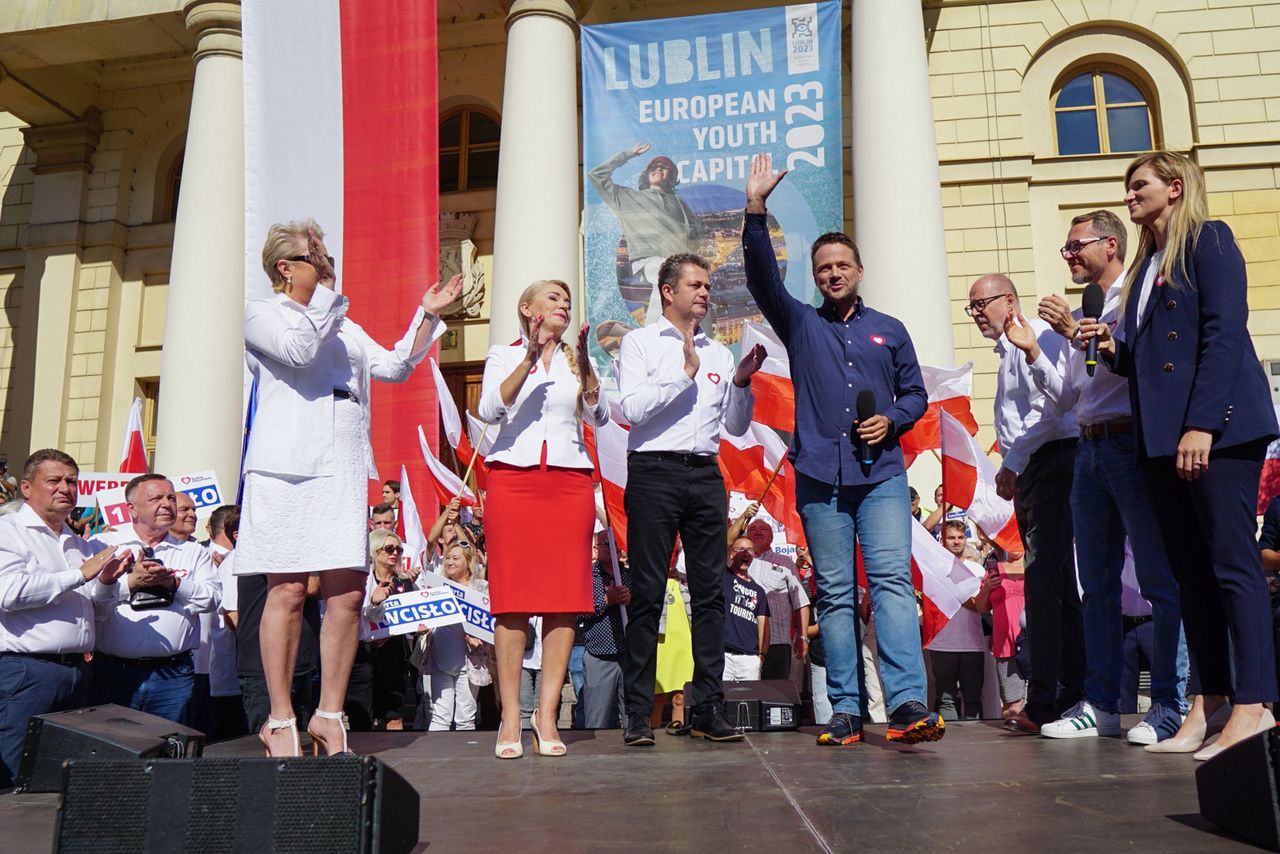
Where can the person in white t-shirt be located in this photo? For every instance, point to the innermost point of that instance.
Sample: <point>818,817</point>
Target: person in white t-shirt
<point>956,653</point>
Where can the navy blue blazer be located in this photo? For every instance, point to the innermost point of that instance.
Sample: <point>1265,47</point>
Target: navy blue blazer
<point>1190,360</point>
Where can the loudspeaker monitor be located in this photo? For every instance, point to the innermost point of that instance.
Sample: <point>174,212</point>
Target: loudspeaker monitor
<point>767,705</point>
<point>341,804</point>
<point>1239,789</point>
<point>98,732</point>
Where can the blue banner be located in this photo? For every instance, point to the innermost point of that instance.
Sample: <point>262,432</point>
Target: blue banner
<point>673,112</point>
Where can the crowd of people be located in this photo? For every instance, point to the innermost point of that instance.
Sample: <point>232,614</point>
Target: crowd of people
<point>1131,445</point>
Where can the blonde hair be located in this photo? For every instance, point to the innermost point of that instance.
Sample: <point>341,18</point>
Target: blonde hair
<point>1186,216</point>
<point>569,354</point>
<point>378,539</point>
<point>473,560</point>
<point>281,244</point>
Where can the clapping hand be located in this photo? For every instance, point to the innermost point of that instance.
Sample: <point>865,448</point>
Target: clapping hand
<point>761,182</point>
<point>1021,335</point>
<point>691,360</point>
<point>536,349</point>
<point>750,363</point>
<point>439,297</point>
<point>1054,311</point>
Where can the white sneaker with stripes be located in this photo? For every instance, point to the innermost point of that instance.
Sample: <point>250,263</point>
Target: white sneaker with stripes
<point>1083,721</point>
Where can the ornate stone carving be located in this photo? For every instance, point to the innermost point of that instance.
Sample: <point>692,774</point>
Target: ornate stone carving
<point>458,255</point>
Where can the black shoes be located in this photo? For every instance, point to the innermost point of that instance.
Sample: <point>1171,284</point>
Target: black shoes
<point>912,723</point>
<point>844,729</point>
<point>708,721</point>
<point>638,732</point>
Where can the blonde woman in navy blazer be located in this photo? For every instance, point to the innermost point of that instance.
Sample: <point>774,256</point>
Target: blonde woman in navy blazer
<point>1204,417</point>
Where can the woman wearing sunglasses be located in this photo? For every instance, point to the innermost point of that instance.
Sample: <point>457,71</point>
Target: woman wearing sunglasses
<point>309,448</point>
<point>387,659</point>
<point>541,506</point>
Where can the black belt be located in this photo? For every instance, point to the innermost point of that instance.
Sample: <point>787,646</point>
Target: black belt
<point>1106,428</point>
<point>1057,445</point>
<point>343,394</point>
<point>740,652</point>
<point>148,663</point>
<point>1134,622</point>
<point>68,659</point>
<point>691,460</point>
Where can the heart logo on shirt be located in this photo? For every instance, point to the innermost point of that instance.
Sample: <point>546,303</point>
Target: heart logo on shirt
<point>878,339</point>
<point>714,377</point>
<point>1159,281</point>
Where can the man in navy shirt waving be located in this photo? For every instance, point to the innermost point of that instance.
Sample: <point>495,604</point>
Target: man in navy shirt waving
<point>839,353</point>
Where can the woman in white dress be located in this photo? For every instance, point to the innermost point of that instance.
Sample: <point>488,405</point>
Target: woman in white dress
<point>308,464</point>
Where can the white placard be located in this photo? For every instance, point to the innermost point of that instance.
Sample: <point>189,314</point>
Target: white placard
<point>92,482</point>
<point>477,620</point>
<point>405,613</point>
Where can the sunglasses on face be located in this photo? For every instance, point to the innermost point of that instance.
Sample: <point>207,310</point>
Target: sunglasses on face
<point>307,259</point>
<point>393,550</point>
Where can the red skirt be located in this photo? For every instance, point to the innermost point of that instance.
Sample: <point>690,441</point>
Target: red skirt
<point>538,524</point>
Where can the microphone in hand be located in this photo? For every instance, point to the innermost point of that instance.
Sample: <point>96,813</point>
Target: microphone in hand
<point>866,410</point>
<point>1091,306</point>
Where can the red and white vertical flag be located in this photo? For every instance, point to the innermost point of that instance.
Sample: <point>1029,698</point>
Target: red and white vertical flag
<point>945,580</point>
<point>950,390</point>
<point>450,417</point>
<point>748,461</point>
<point>480,436</point>
<point>774,393</point>
<point>446,483</point>
<point>341,124</point>
<point>415,539</point>
<point>969,483</point>
<point>133,455</point>
<point>1269,486</point>
<point>607,444</point>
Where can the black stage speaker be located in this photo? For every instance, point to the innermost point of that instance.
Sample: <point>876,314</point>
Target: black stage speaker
<point>768,705</point>
<point>98,732</point>
<point>341,804</point>
<point>1240,789</point>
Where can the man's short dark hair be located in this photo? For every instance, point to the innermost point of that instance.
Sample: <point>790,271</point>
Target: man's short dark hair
<point>1106,224</point>
<point>669,272</point>
<point>835,237</point>
<point>225,520</point>
<point>133,485</point>
<point>956,525</point>
<point>394,484</point>
<point>384,507</point>
<point>47,455</point>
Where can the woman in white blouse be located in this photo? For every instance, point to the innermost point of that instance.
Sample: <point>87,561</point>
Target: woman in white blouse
<point>541,506</point>
<point>308,464</point>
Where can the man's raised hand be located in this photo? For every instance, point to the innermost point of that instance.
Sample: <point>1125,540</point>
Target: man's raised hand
<point>691,360</point>
<point>761,181</point>
<point>750,363</point>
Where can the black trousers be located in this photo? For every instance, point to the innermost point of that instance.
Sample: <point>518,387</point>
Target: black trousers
<point>665,498</point>
<point>1209,526</point>
<point>1055,620</point>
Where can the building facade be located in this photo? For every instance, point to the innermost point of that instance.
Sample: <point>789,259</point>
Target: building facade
<point>975,132</point>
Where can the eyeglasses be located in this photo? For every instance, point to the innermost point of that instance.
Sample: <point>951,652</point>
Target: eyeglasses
<point>1073,247</point>
<point>307,259</point>
<point>393,550</point>
<point>978,305</point>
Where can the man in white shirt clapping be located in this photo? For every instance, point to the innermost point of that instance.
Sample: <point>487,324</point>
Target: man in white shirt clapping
<point>147,635</point>
<point>678,388</point>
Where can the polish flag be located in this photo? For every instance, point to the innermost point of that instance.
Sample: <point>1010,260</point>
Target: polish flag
<point>133,455</point>
<point>945,580</point>
<point>950,390</point>
<point>448,485</point>
<point>607,445</point>
<point>450,417</point>
<point>969,482</point>
<point>747,462</point>
<point>341,124</point>
<point>1269,486</point>
<point>481,437</point>
<point>415,539</point>
<point>774,393</point>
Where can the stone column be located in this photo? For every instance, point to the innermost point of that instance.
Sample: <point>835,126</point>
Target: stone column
<point>897,197</point>
<point>535,234</point>
<point>202,366</point>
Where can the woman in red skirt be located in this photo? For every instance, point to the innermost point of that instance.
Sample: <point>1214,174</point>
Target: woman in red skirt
<point>541,504</point>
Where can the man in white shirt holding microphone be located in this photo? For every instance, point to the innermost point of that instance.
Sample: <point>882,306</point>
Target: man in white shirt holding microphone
<point>678,387</point>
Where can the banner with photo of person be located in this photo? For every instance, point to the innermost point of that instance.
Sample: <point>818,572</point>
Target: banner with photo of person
<point>673,112</point>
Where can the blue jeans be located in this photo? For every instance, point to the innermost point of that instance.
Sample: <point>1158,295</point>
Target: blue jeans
<point>29,687</point>
<point>576,677</point>
<point>1109,500</point>
<point>879,517</point>
<point>162,691</point>
<point>821,705</point>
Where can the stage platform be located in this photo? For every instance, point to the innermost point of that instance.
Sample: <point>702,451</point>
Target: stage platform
<point>979,789</point>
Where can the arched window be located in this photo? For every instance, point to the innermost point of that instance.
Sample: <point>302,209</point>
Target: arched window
<point>1101,111</point>
<point>174,186</point>
<point>468,150</point>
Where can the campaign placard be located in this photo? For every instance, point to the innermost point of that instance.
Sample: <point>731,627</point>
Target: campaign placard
<point>202,487</point>
<point>115,510</point>
<point>477,621</point>
<point>90,483</point>
<point>405,613</point>
<point>673,112</point>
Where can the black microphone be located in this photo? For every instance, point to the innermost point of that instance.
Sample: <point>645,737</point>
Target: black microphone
<point>866,410</point>
<point>1091,306</point>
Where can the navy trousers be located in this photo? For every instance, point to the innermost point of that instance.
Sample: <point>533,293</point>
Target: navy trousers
<point>28,687</point>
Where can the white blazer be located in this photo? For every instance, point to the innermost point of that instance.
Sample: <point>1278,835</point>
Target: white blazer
<point>295,353</point>
<point>545,410</point>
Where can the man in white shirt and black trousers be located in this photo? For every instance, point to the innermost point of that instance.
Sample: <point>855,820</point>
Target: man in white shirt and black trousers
<point>678,388</point>
<point>1038,443</point>
<point>146,637</point>
<point>49,580</point>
